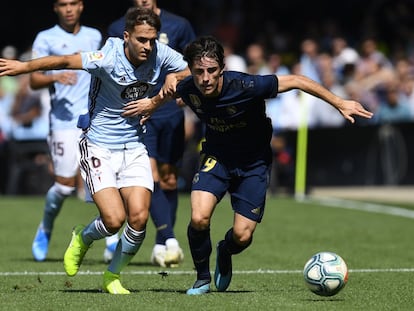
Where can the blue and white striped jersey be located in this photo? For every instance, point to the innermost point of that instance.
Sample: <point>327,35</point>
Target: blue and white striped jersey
<point>116,82</point>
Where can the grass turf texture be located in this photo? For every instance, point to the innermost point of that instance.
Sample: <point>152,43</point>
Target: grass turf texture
<point>377,248</point>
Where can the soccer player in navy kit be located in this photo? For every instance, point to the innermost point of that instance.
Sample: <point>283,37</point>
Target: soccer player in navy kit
<point>164,139</point>
<point>114,162</point>
<point>236,153</point>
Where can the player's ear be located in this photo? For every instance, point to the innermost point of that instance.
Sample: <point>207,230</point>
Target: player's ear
<point>126,36</point>
<point>81,6</point>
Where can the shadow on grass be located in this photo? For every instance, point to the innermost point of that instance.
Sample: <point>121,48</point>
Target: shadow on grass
<point>86,291</point>
<point>153,290</point>
<point>30,259</point>
<point>163,290</point>
<point>323,299</point>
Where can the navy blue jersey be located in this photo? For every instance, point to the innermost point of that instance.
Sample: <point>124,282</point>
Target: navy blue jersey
<point>176,32</point>
<point>237,129</point>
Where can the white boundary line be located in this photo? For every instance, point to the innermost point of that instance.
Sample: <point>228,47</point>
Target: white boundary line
<point>175,272</point>
<point>362,206</point>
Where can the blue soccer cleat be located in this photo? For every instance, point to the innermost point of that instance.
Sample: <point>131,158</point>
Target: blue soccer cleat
<point>40,245</point>
<point>223,272</point>
<point>200,287</point>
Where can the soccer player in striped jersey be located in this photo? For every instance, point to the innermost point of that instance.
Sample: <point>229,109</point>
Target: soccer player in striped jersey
<point>114,162</point>
<point>164,140</point>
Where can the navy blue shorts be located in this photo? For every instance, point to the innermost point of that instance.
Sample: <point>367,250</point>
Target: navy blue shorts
<point>164,137</point>
<point>247,185</point>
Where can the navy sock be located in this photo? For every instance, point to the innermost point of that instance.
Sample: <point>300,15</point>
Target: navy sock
<point>172,197</point>
<point>200,246</point>
<point>231,246</point>
<point>160,215</point>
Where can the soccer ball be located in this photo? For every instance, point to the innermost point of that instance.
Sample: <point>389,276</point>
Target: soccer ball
<point>325,273</point>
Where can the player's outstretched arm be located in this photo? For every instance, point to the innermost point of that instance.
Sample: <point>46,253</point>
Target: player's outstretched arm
<point>10,67</point>
<point>347,108</point>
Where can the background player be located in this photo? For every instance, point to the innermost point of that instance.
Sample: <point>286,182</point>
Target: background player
<point>69,98</point>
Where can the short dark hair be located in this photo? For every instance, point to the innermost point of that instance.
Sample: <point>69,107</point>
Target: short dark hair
<point>204,46</point>
<point>138,16</point>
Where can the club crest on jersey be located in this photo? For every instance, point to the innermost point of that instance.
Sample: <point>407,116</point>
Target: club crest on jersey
<point>95,56</point>
<point>135,91</point>
<point>231,110</point>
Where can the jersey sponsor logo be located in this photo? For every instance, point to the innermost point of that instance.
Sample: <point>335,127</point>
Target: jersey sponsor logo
<point>95,56</point>
<point>135,91</point>
<point>220,125</point>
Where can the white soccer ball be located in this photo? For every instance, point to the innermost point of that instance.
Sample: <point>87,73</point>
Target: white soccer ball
<point>325,273</point>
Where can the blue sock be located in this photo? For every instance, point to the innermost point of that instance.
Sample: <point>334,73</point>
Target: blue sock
<point>200,246</point>
<point>128,245</point>
<point>160,215</point>
<point>53,204</point>
<point>96,230</point>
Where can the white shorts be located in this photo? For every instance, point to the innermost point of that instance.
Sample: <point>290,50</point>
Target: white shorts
<point>63,146</point>
<point>103,168</point>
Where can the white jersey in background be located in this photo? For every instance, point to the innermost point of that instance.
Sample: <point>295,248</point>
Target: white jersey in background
<point>67,101</point>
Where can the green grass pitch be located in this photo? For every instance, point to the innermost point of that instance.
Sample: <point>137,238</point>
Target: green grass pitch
<point>377,247</point>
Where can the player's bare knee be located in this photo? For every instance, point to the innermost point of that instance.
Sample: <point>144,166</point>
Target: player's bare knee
<point>168,182</point>
<point>113,222</point>
<point>242,237</point>
<point>200,223</point>
<point>138,220</point>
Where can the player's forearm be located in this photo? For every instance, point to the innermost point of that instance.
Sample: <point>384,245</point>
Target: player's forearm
<point>39,80</point>
<point>309,86</point>
<point>10,67</point>
<point>182,74</point>
<point>159,100</point>
<point>55,62</point>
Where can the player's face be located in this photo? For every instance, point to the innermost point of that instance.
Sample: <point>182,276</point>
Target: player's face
<point>207,76</point>
<point>146,4</point>
<point>68,12</point>
<point>140,43</point>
